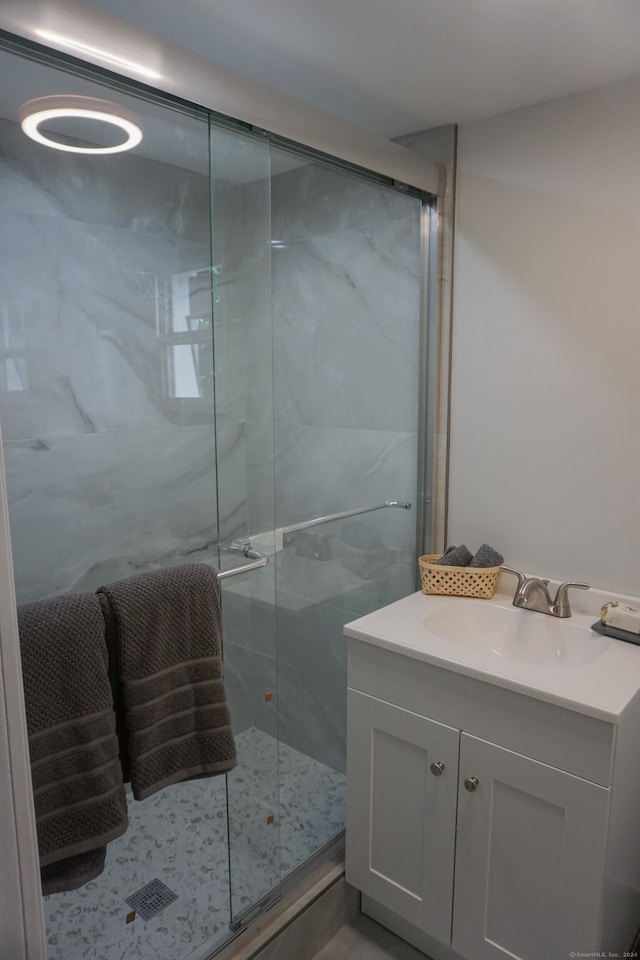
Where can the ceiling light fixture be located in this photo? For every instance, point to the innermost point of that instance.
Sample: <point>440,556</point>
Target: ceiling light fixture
<point>36,112</point>
<point>104,55</point>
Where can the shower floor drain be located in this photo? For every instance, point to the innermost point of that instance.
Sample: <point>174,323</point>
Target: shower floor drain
<point>151,899</point>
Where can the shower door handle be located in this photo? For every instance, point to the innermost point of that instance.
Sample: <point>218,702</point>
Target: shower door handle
<point>245,568</point>
<point>305,524</point>
<point>243,545</point>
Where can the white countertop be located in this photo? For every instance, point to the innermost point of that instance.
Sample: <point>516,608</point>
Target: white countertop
<point>601,687</point>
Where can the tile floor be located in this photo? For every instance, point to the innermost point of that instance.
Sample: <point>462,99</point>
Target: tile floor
<point>364,939</point>
<point>179,836</point>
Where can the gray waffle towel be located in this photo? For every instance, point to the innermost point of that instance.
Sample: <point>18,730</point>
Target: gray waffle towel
<point>456,557</point>
<point>80,802</point>
<point>487,556</point>
<point>166,628</point>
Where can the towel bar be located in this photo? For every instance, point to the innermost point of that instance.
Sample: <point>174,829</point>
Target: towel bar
<point>243,544</point>
<point>402,504</point>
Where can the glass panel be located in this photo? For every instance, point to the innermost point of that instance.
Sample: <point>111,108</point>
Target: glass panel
<point>346,315</point>
<point>106,402</point>
<point>244,437</point>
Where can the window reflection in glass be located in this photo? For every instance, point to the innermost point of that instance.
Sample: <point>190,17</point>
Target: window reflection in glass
<point>188,342</point>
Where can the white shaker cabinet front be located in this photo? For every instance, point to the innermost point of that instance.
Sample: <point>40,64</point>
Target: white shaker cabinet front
<point>530,857</point>
<point>401,830</point>
<point>491,852</point>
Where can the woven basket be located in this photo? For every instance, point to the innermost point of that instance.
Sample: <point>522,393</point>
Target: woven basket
<point>457,581</point>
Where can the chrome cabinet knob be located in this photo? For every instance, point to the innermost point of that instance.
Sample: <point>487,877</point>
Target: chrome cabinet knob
<point>437,768</point>
<point>471,784</point>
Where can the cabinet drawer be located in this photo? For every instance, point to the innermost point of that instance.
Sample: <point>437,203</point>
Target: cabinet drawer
<point>560,737</point>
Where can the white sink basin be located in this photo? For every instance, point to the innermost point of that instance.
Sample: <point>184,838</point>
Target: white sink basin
<point>511,634</point>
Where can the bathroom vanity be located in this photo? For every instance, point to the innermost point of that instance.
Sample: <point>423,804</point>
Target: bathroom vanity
<point>493,771</point>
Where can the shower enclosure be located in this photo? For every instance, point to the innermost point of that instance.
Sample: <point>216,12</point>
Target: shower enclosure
<point>210,351</point>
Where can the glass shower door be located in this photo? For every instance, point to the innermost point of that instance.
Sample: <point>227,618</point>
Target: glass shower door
<point>106,400</point>
<point>241,239</point>
<point>346,285</point>
<point>317,341</point>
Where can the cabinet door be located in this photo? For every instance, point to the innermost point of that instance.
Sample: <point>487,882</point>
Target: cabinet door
<point>530,858</point>
<point>400,815</point>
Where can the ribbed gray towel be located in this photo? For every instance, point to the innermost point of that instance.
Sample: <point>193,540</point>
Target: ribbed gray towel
<point>487,556</point>
<point>73,872</point>
<point>79,796</point>
<point>166,626</point>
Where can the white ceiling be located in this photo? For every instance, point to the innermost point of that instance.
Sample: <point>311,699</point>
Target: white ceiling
<point>397,66</point>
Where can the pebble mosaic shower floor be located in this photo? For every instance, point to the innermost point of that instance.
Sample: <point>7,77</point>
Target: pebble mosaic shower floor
<point>179,837</point>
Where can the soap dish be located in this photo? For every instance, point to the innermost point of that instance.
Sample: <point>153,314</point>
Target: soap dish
<point>457,581</point>
<point>608,631</point>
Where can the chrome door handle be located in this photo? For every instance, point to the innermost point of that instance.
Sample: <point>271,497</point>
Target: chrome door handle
<point>437,769</point>
<point>471,784</point>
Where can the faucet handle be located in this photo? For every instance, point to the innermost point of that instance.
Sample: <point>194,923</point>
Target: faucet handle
<point>521,577</point>
<point>561,602</point>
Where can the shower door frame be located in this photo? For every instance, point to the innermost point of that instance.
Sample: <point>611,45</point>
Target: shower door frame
<point>21,918</point>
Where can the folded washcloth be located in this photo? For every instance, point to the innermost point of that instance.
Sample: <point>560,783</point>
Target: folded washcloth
<point>622,616</point>
<point>80,802</point>
<point>166,628</point>
<point>486,556</point>
<point>456,557</point>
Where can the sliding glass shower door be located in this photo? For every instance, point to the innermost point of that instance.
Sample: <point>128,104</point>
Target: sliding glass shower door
<point>107,407</point>
<point>317,331</point>
<point>209,352</point>
<point>243,376</point>
<point>346,323</point>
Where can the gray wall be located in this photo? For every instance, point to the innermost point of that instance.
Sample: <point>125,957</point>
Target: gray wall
<point>545,392</point>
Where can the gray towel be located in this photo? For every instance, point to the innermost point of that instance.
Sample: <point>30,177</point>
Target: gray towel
<point>456,557</point>
<point>486,556</point>
<point>79,796</point>
<point>166,627</point>
<point>73,872</point>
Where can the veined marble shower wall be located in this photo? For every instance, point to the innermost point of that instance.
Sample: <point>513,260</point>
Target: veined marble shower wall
<point>346,318</point>
<point>108,470</point>
<point>345,302</point>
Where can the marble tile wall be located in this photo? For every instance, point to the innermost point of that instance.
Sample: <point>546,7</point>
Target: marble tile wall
<point>345,317</point>
<point>244,409</point>
<point>243,329</point>
<point>315,315</point>
<point>346,311</point>
<point>107,471</point>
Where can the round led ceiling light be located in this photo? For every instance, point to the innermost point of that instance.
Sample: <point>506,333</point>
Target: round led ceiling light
<point>36,112</point>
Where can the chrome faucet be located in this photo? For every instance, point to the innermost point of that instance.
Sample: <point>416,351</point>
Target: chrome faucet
<point>532,593</point>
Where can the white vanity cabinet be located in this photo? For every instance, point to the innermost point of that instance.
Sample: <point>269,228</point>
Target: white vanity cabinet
<point>530,857</point>
<point>401,832</point>
<point>486,824</point>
